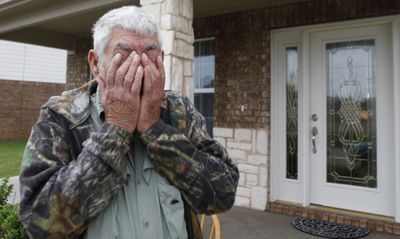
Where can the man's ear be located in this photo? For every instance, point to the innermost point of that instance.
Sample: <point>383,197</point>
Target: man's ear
<point>94,64</point>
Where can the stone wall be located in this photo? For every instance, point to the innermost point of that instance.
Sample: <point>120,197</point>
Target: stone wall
<point>20,105</point>
<point>248,149</point>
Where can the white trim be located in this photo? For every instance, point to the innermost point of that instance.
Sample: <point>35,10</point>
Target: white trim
<point>304,122</point>
<point>396,88</point>
<point>204,90</point>
<point>275,108</point>
<point>204,39</point>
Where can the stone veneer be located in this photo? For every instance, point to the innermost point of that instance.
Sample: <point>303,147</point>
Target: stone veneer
<point>176,34</point>
<point>249,150</point>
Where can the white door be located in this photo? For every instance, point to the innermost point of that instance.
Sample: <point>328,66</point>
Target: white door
<point>351,106</point>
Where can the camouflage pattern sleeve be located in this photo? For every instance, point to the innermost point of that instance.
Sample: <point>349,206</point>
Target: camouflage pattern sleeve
<point>191,160</point>
<point>59,193</point>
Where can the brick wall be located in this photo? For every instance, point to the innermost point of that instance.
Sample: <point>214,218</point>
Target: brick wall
<point>78,70</point>
<point>243,51</point>
<point>20,104</point>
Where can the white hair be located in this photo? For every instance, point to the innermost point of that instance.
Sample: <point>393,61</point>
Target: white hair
<point>127,17</point>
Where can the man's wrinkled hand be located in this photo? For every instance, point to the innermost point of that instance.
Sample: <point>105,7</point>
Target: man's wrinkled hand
<point>120,91</point>
<point>153,92</point>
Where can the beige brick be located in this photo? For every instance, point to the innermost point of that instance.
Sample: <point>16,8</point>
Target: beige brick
<point>223,132</point>
<point>242,146</point>
<point>242,201</point>
<point>237,155</point>
<point>243,191</point>
<point>258,198</point>
<point>262,144</point>
<point>242,135</point>
<point>257,159</point>
<point>247,168</point>
<point>252,179</point>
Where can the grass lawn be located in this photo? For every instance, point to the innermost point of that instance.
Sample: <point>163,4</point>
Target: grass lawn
<point>10,157</point>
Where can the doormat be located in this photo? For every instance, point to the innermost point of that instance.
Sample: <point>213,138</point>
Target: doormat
<point>328,229</point>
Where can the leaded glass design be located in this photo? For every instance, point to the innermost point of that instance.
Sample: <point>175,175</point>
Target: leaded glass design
<point>291,112</point>
<point>351,113</point>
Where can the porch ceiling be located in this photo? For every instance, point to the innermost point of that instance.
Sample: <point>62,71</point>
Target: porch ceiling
<point>60,23</point>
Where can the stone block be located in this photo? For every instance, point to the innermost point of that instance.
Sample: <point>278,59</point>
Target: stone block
<point>261,143</point>
<point>263,177</point>
<point>258,198</point>
<point>237,155</point>
<point>187,8</point>
<point>223,132</point>
<point>188,38</point>
<point>188,68</point>
<point>154,10</point>
<point>170,7</point>
<point>177,74</point>
<point>257,159</point>
<point>168,71</point>
<point>171,22</point>
<point>242,179</point>
<point>183,49</point>
<point>167,41</point>
<point>188,87</point>
<point>246,168</point>
<point>252,179</point>
<point>242,135</point>
<point>242,201</point>
<point>243,191</point>
<point>242,146</point>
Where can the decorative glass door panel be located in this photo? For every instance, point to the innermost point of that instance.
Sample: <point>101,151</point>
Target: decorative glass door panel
<point>351,113</point>
<point>291,70</point>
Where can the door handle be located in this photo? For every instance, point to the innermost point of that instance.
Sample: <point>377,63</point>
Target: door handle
<point>314,132</point>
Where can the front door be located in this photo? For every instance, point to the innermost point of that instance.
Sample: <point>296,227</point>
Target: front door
<point>351,119</point>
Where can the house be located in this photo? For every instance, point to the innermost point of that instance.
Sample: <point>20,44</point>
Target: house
<point>304,93</point>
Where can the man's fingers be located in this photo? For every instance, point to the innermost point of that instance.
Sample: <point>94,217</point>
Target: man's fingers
<point>160,67</point>
<point>148,80</point>
<point>130,75</point>
<point>121,72</point>
<point>137,83</point>
<point>115,63</point>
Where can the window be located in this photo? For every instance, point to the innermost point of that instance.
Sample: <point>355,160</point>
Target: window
<point>204,77</point>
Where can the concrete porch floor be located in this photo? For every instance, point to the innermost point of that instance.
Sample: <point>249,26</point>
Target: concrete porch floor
<point>246,223</point>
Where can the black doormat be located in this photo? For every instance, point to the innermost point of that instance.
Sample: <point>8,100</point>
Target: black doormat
<point>328,229</point>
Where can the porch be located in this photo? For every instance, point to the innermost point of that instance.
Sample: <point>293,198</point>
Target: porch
<point>249,223</point>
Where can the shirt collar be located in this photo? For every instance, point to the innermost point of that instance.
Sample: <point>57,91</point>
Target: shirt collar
<point>96,99</point>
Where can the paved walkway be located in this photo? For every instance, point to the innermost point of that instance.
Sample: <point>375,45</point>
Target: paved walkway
<point>252,224</point>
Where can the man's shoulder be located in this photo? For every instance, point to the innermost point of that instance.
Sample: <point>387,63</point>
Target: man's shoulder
<point>173,99</point>
<point>72,104</point>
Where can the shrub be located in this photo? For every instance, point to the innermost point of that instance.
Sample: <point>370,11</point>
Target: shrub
<point>10,226</point>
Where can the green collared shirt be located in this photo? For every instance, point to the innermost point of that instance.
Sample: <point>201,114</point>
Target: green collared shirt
<point>147,206</point>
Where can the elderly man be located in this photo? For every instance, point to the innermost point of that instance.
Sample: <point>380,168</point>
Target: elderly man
<point>119,157</point>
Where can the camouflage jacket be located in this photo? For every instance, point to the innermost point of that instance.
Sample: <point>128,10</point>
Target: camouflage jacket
<point>70,172</point>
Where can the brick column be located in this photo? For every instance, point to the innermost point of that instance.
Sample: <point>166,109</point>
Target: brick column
<point>176,34</point>
<point>78,70</point>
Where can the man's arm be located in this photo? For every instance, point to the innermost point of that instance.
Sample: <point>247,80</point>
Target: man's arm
<point>60,195</point>
<point>195,163</point>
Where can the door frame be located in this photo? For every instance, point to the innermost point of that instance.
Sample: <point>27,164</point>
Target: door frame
<point>302,186</point>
